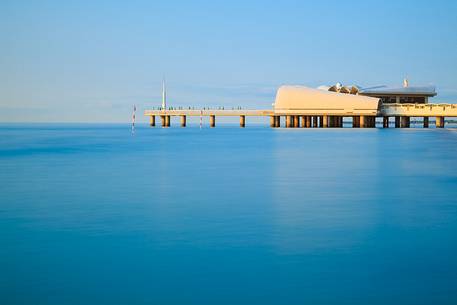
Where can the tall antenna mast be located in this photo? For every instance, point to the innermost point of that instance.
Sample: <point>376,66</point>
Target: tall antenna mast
<point>164,95</point>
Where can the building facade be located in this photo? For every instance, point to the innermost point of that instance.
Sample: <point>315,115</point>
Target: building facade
<point>388,95</point>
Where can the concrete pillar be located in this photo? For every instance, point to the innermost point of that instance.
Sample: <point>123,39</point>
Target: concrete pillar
<point>321,121</point>
<point>183,121</point>
<point>425,121</point>
<point>355,122</point>
<point>303,121</point>
<point>152,120</point>
<point>212,121</point>
<point>167,121</point>
<point>404,122</point>
<point>277,121</point>
<point>397,122</point>
<point>297,121</point>
<point>439,122</point>
<point>162,119</point>
<point>288,121</point>
<point>362,121</point>
<point>385,122</point>
<point>372,121</point>
<point>325,121</point>
<point>272,121</point>
<point>308,121</point>
<point>242,121</point>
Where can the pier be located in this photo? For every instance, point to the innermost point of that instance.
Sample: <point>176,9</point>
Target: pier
<point>393,115</point>
<point>303,107</point>
<point>166,115</point>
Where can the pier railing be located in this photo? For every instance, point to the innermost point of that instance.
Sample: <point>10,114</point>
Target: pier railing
<point>209,112</point>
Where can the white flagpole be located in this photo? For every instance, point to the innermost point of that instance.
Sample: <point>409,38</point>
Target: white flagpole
<point>164,95</point>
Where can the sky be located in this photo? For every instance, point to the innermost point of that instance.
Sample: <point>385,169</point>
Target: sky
<point>90,61</point>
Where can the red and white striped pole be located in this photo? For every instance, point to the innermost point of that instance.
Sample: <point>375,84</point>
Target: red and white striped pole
<point>133,119</point>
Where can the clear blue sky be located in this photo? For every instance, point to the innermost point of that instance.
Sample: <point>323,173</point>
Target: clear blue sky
<point>81,61</point>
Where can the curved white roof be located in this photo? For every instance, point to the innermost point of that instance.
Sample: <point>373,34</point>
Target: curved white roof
<point>412,90</point>
<point>304,100</point>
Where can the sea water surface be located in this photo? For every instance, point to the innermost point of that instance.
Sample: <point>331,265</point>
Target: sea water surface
<point>90,214</point>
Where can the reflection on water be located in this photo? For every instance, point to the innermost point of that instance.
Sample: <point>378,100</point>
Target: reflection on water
<point>89,214</point>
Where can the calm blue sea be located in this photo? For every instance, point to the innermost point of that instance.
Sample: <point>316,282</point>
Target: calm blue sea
<point>92,215</point>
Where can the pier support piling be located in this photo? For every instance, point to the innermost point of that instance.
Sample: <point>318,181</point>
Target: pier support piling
<point>242,121</point>
<point>183,121</point>
<point>296,121</point>
<point>355,122</point>
<point>397,122</point>
<point>162,119</point>
<point>277,121</point>
<point>325,121</point>
<point>212,121</point>
<point>439,122</point>
<point>152,120</point>
<point>404,122</point>
<point>373,122</point>
<point>385,122</point>
<point>272,121</point>
<point>288,121</point>
<point>303,121</point>
<point>425,121</point>
<point>362,121</point>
